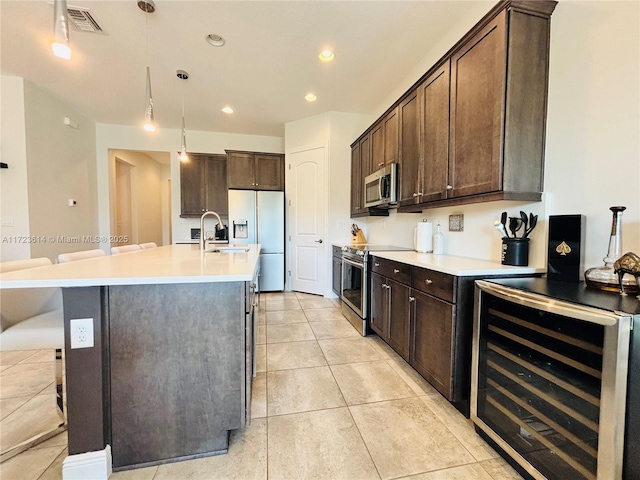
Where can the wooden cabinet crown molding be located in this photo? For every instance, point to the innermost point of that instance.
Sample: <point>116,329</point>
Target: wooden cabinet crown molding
<point>543,8</point>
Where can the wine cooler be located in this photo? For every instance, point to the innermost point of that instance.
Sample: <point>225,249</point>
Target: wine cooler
<point>549,378</point>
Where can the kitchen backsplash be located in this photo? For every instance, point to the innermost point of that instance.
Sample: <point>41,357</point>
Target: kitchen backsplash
<point>479,239</point>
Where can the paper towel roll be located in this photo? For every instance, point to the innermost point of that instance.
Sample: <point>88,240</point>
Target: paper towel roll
<point>423,238</point>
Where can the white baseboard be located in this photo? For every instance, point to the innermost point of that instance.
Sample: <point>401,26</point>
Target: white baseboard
<point>93,465</point>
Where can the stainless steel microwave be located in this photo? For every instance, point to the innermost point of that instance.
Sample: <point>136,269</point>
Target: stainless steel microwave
<point>381,187</point>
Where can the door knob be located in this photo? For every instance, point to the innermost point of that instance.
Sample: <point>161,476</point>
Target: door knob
<point>319,241</point>
<point>449,187</point>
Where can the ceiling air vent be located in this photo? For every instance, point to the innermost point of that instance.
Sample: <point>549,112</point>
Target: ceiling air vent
<point>82,20</point>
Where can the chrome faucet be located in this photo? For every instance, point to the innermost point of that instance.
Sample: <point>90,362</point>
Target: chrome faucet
<point>203,239</point>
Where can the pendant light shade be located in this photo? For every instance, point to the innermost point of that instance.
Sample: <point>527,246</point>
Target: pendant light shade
<point>183,142</point>
<point>149,122</point>
<point>60,44</point>
<point>183,75</point>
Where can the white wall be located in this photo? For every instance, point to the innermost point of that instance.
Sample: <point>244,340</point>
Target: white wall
<point>167,140</point>
<point>14,201</point>
<point>592,149</point>
<point>60,167</point>
<point>147,184</point>
<point>49,163</point>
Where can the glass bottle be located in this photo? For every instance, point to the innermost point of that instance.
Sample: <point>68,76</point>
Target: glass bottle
<point>604,278</point>
<point>438,241</point>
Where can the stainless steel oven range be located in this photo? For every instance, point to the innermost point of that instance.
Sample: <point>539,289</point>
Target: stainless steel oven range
<point>355,284</point>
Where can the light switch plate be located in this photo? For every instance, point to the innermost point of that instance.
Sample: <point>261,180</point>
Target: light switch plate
<point>81,332</point>
<point>456,223</point>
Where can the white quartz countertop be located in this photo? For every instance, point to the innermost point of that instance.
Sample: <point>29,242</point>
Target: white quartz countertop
<point>162,265</point>
<point>458,266</point>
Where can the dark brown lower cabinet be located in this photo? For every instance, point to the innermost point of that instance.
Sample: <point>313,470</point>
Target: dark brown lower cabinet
<point>426,317</point>
<point>431,347</point>
<point>378,311</point>
<point>398,331</point>
<point>390,312</point>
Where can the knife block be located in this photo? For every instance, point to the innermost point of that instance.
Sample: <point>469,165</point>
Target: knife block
<point>358,238</point>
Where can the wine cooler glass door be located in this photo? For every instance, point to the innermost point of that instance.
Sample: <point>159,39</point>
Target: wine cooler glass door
<point>540,370</point>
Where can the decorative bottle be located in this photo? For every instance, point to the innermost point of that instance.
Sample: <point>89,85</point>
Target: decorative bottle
<point>438,241</point>
<point>604,278</point>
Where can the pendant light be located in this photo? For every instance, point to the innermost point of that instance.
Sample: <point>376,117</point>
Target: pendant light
<point>148,6</point>
<point>183,75</point>
<point>60,44</point>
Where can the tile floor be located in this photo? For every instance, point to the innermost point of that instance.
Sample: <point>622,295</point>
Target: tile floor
<point>327,404</point>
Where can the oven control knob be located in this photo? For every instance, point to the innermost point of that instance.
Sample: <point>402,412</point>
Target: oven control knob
<point>361,253</point>
<point>344,249</point>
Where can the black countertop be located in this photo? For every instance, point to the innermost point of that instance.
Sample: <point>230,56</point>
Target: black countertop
<point>577,293</point>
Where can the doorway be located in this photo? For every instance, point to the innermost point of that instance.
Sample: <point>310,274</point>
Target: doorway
<point>140,196</point>
<point>124,230</point>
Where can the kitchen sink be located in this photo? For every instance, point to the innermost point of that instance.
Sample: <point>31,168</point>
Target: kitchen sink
<point>229,249</point>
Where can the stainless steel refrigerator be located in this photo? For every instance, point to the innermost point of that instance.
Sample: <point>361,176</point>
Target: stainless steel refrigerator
<point>258,217</point>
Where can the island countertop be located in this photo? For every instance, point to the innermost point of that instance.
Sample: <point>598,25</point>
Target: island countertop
<point>162,265</point>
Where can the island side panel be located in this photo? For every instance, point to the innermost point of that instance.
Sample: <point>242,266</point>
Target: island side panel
<point>177,370</point>
<point>87,372</point>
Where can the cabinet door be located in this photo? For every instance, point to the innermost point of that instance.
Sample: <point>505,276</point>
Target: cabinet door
<point>337,275</point>
<point>269,172</point>
<point>215,180</point>
<point>356,181</point>
<point>434,120</point>
<point>391,130</point>
<point>478,76</point>
<point>398,313</point>
<point>431,350</point>
<point>192,186</point>
<point>365,161</point>
<point>409,158</point>
<point>379,314</point>
<point>377,148</point>
<point>240,170</point>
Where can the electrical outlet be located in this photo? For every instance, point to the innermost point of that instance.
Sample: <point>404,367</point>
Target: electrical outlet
<point>81,332</point>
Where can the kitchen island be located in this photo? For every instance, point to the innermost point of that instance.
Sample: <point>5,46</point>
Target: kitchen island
<point>169,370</point>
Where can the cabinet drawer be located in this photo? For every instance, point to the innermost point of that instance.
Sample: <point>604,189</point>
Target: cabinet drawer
<point>434,283</point>
<point>400,272</point>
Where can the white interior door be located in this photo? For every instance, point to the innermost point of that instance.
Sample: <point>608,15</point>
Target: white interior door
<point>306,209</point>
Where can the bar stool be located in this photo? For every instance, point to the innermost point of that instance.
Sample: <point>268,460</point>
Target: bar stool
<point>32,319</point>
<point>73,256</point>
<point>147,245</point>
<point>125,249</point>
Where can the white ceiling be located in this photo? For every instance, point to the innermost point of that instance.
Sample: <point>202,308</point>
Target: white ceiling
<point>270,60</point>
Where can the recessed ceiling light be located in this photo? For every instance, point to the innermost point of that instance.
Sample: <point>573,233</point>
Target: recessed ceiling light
<point>326,55</point>
<point>215,40</point>
<point>310,97</point>
<point>227,110</point>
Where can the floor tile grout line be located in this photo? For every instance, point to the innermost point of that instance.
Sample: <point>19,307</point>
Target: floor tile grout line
<point>364,442</point>
<point>52,462</point>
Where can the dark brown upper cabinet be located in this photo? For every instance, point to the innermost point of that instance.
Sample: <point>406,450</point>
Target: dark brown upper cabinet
<point>478,82</point>
<point>255,171</point>
<point>357,183</point>
<point>384,142</point>
<point>203,185</point>
<point>472,129</point>
<point>433,96</point>
<point>409,151</point>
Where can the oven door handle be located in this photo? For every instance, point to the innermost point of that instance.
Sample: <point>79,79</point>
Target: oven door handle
<point>351,262</point>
